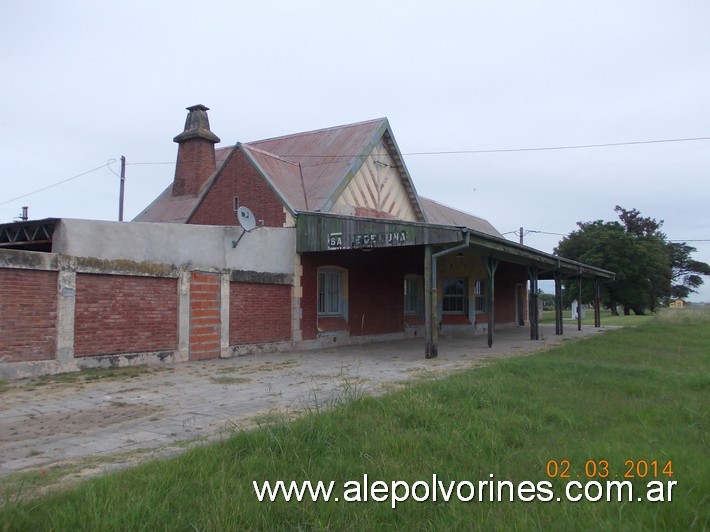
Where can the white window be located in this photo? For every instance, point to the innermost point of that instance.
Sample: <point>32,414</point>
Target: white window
<point>330,291</point>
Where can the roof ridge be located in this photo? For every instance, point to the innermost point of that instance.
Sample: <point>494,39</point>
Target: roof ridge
<point>439,203</point>
<point>322,130</point>
<point>269,154</point>
<point>452,208</point>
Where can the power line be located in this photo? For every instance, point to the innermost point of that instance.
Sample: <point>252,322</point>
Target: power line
<point>544,233</point>
<point>528,231</point>
<point>510,150</point>
<point>570,147</point>
<point>452,152</point>
<point>106,164</point>
<point>497,150</point>
<point>137,164</point>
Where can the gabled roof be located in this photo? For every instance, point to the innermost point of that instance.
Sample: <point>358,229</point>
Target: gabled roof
<point>310,170</point>
<point>444,215</point>
<point>167,208</point>
<point>307,170</point>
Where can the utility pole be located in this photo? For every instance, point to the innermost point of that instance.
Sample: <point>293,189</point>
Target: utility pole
<point>122,186</point>
<point>521,235</point>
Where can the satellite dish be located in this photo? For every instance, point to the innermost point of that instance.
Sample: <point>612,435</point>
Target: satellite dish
<point>246,219</point>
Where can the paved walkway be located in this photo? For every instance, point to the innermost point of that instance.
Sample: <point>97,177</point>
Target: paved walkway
<point>156,411</point>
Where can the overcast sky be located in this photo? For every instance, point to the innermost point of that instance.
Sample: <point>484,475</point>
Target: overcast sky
<point>87,82</point>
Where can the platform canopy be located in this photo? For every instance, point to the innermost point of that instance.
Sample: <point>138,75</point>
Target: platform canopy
<point>331,232</point>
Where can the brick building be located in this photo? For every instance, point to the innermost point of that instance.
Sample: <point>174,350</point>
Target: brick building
<point>300,241</point>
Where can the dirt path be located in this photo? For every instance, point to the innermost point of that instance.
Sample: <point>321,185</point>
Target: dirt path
<point>92,422</point>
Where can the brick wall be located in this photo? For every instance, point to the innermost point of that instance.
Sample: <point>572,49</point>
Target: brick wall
<point>239,178</point>
<point>124,314</point>
<point>507,276</point>
<point>309,288</point>
<point>205,316</point>
<point>60,313</point>
<point>195,164</point>
<point>259,313</point>
<point>28,314</point>
<point>375,291</point>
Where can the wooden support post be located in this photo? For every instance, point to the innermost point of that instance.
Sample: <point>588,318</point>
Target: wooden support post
<point>597,304</point>
<point>537,310</point>
<point>579,303</point>
<point>431,331</point>
<point>558,303</point>
<point>491,266</point>
<point>534,312</point>
<point>432,318</point>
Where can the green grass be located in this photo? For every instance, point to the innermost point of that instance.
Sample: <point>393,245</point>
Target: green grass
<point>632,394</point>
<point>606,317</point>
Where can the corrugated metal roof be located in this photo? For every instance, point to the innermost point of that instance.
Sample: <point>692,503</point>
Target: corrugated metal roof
<point>313,164</point>
<point>441,214</point>
<point>284,175</point>
<point>167,208</point>
<point>307,170</point>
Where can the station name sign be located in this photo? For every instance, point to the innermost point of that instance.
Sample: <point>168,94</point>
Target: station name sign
<point>327,232</point>
<point>367,240</point>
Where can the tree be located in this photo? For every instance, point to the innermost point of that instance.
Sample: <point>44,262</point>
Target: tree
<point>638,226</point>
<point>607,245</point>
<point>548,300</point>
<point>648,268</point>
<point>686,273</point>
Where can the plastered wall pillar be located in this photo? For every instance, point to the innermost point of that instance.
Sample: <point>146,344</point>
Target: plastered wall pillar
<point>225,352</point>
<point>296,297</point>
<point>66,305</point>
<point>184,316</point>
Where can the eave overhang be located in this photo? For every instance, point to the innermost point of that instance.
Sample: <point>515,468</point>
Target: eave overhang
<point>331,232</point>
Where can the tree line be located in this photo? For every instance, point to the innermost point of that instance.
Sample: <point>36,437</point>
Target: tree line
<point>650,270</point>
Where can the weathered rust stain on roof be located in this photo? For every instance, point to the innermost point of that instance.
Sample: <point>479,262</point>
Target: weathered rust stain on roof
<point>309,169</point>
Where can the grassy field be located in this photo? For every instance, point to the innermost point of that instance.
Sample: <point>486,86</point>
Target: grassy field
<point>638,394</point>
<point>607,319</point>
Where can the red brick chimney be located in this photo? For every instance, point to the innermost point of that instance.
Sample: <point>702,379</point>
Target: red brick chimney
<point>195,158</point>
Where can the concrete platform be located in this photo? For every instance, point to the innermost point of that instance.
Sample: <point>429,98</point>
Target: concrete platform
<point>162,410</point>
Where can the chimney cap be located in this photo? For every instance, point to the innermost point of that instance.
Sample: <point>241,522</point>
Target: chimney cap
<point>197,125</point>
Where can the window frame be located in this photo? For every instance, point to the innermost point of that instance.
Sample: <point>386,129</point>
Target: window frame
<point>328,279</point>
<point>461,298</point>
<point>480,296</point>
<point>413,294</point>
